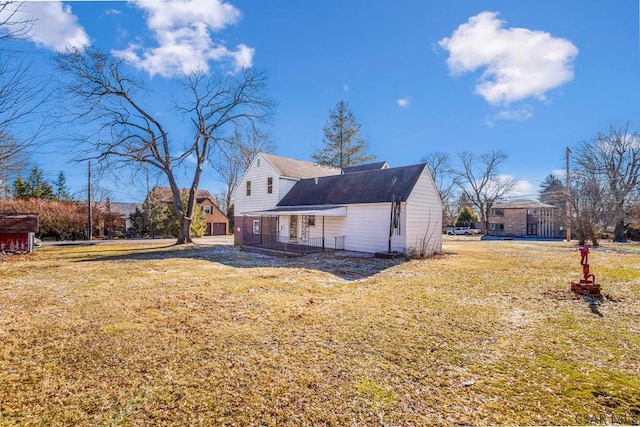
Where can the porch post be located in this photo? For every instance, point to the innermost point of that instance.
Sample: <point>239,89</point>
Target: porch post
<point>322,233</point>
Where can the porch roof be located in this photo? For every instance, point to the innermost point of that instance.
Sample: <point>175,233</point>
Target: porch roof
<point>324,210</point>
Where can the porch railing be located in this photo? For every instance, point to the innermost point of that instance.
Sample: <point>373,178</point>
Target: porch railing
<point>284,242</point>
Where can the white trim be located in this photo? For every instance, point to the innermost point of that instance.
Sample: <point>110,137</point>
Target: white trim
<point>302,210</point>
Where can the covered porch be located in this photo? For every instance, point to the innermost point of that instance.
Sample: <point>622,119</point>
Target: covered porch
<point>299,229</point>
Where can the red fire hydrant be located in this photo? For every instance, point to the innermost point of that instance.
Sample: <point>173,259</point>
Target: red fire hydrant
<point>587,285</point>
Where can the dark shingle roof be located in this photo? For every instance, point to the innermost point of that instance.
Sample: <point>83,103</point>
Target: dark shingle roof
<point>365,167</point>
<point>374,186</point>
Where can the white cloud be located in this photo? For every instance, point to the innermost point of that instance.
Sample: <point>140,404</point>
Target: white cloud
<point>345,88</point>
<point>522,188</point>
<point>559,173</point>
<point>182,29</point>
<point>518,63</point>
<point>404,102</point>
<point>51,24</point>
<point>513,114</point>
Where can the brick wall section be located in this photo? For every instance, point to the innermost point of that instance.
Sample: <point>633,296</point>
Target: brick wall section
<point>243,229</point>
<point>514,220</point>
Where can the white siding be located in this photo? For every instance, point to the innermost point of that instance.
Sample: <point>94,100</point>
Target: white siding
<point>367,228</point>
<point>259,199</point>
<point>284,185</point>
<point>424,215</point>
<point>334,226</point>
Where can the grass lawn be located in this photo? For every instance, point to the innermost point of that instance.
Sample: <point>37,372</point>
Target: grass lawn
<point>486,333</point>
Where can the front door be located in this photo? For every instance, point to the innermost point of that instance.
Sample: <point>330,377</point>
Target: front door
<point>293,228</point>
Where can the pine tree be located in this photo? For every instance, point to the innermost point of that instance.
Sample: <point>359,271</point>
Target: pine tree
<point>343,145</point>
<point>34,187</point>
<point>552,191</point>
<point>466,217</point>
<point>62,191</point>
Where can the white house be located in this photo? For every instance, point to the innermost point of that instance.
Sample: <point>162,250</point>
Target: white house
<point>367,208</point>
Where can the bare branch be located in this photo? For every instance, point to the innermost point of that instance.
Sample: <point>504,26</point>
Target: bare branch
<point>130,135</point>
<point>480,181</point>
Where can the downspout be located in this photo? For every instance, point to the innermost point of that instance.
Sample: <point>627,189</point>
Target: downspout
<point>391,224</point>
<point>322,233</point>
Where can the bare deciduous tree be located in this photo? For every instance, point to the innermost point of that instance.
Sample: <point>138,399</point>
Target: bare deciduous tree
<point>446,180</point>
<point>481,182</point>
<point>12,25</point>
<point>586,197</point>
<point>129,135</point>
<point>612,159</point>
<point>21,93</point>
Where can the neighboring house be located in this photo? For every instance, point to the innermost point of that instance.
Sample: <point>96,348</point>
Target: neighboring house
<point>524,218</point>
<point>369,208</point>
<point>217,221</point>
<point>121,216</point>
<point>17,231</point>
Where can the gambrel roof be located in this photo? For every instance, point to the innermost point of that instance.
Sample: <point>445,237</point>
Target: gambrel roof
<point>373,186</point>
<point>298,168</point>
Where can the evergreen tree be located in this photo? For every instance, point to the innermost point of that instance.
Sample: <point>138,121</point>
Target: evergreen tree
<point>552,191</point>
<point>466,217</point>
<point>20,188</point>
<point>343,145</point>
<point>60,185</point>
<point>163,219</point>
<point>139,223</point>
<point>34,187</point>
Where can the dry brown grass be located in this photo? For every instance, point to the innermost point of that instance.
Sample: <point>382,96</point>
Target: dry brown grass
<point>487,333</point>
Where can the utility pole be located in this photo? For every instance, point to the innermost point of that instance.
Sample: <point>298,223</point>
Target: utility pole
<point>567,198</point>
<point>90,228</point>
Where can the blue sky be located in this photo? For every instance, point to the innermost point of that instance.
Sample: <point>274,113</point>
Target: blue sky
<point>525,77</point>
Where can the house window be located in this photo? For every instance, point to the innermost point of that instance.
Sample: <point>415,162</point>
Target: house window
<point>256,226</point>
<point>532,229</point>
<point>258,163</point>
<point>206,209</point>
<point>497,212</point>
<point>269,185</point>
<point>312,220</point>
<point>494,226</point>
<point>248,188</point>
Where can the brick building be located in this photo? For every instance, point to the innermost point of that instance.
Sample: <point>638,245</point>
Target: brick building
<point>524,218</point>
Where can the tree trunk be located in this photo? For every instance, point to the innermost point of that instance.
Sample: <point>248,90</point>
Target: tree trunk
<point>185,231</point>
<point>618,235</point>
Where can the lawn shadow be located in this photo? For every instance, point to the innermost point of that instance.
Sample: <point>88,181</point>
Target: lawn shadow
<point>594,304</point>
<point>346,266</point>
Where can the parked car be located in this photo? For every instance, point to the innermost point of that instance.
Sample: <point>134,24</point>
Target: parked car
<point>456,231</point>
